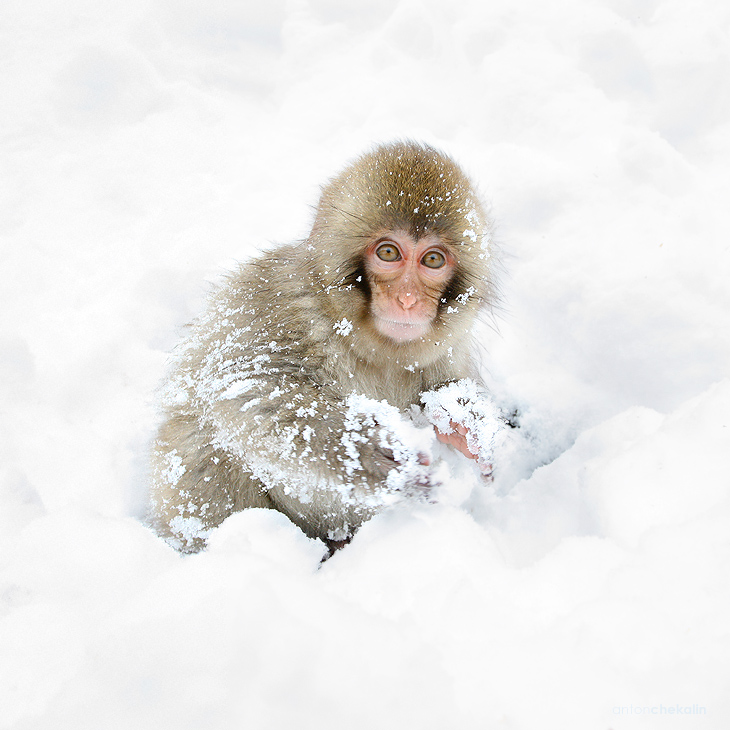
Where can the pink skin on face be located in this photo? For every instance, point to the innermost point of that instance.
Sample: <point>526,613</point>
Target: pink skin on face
<point>407,277</point>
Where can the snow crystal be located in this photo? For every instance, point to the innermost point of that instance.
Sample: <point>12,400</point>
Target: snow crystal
<point>464,297</point>
<point>251,403</point>
<point>472,218</point>
<point>343,327</point>
<point>187,531</point>
<point>174,469</point>
<point>465,403</point>
<point>310,410</point>
<point>239,387</point>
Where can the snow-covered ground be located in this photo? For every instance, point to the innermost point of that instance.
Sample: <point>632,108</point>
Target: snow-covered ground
<point>146,145</point>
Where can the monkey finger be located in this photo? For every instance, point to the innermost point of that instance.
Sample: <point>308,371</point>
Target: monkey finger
<point>454,426</point>
<point>459,428</point>
<point>423,484</point>
<point>487,472</point>
<point>457,441</point>
<point>446,438</point>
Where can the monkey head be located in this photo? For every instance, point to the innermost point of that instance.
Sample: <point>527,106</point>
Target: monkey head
<point>401,244</point>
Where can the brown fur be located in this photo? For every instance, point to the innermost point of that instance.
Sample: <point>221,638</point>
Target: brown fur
<point>255,407</point>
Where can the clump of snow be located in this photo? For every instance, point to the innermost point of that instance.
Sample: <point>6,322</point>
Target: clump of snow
<point>187,531</point>
<point>343,327</point>
<point>472,219</point>
<point>174,469</point>
<point>466,404</point>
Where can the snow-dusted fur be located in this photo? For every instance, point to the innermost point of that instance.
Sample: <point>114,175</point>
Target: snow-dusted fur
<point>285,395</point>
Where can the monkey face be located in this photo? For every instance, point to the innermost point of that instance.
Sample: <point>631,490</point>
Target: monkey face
<point>407,277</point>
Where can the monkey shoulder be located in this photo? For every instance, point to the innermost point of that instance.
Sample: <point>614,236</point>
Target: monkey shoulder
<point>263,320</point>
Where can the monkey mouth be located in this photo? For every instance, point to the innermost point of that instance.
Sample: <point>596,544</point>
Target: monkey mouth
<point>401,331</point>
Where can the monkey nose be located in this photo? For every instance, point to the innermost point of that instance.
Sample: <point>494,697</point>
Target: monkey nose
<point>407,299</point>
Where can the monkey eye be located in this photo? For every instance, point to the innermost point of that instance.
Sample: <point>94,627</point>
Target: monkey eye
<point>388,252</point>
<point>434,260</point>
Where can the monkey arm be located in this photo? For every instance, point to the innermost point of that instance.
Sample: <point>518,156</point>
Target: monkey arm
<point>309,445</point>
<point>328,460</point>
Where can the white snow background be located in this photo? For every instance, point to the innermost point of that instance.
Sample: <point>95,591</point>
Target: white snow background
<point>148,145</point>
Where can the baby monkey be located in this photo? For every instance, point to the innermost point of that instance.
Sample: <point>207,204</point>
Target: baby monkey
<point>297,389</point>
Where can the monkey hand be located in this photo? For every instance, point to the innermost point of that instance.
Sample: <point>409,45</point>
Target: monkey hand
<point>408,474</point>
<point>385,449</point>
<point>457,438</point>
<point>464,417</point>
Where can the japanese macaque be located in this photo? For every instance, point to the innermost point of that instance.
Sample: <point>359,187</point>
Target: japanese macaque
<point>301,387</point>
